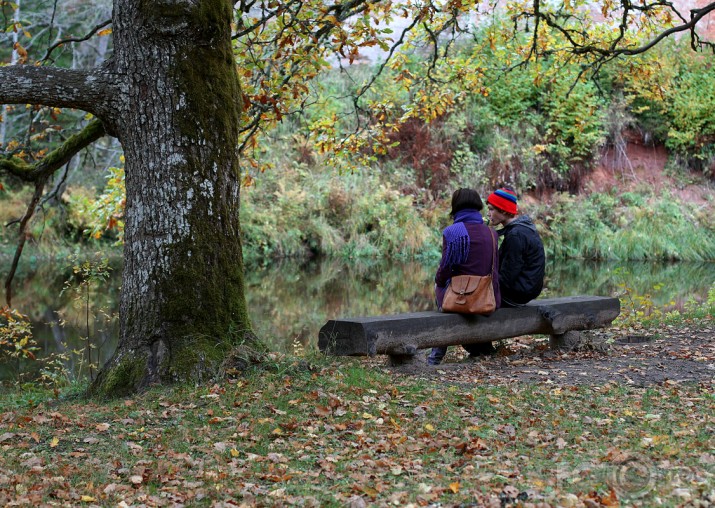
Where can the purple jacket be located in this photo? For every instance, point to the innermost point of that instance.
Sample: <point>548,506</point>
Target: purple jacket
<point>479,261</point>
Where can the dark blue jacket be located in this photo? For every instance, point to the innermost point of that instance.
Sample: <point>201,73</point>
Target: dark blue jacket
<point>522,262</point>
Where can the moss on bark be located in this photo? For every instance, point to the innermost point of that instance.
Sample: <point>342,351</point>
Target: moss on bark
<point>120,377</point>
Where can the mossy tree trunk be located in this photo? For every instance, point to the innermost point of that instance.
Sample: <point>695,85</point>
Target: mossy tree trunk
<point>170,94</point>
<point>182,297</point>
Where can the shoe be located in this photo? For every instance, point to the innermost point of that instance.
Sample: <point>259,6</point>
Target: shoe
<point>482,349</point>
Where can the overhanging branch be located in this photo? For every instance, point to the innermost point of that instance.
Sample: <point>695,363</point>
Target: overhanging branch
<point>56,158</point>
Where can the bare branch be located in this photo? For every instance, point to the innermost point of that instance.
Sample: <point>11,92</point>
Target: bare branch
<point>22,237</point>
<point>69,40</point>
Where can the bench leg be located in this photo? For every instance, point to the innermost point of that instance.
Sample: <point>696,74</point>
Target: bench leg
<point>407,354</point>
<point>567,341</point>
<point>398,360</point>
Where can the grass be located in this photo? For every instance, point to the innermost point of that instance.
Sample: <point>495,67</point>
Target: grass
<point>319,431</point>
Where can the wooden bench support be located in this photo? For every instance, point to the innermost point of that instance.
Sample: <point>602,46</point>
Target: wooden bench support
<point>401,336</point>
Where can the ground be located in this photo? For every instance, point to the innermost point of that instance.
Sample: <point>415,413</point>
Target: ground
<point>670,355</point>
<point>640,166</point>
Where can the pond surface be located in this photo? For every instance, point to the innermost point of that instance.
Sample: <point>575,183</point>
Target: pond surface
<point>289,301</point>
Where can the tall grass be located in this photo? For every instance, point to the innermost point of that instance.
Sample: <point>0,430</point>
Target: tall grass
<point>302,211</point>
<point>627,226</point>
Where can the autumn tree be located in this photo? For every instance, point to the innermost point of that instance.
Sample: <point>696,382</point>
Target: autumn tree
<point>170,92</point>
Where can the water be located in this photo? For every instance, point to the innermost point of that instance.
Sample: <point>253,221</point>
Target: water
<point>289,301</point>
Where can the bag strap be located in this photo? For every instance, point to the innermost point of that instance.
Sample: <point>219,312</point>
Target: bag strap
<point>494,250</point>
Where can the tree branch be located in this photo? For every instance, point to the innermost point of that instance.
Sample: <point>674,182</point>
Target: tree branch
<point>696,15</point>
<point>22,237</point>
<point>54,86</point>
<point>74,39</point>
<point>56,158</point>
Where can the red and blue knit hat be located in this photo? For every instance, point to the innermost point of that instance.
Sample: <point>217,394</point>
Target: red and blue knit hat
<point>504,200</point>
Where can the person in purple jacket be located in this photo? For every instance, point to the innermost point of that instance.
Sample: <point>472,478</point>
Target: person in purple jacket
<point>467,249</point>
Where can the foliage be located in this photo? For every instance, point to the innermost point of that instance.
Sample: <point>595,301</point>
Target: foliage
<point>59,303</point>
<point>639,310</point>
<point>103,215</point>
<point>304,211</point>
<point>88,275</point>
<point>672,95</point>
<point>574,128</point>
<point>16,339</point>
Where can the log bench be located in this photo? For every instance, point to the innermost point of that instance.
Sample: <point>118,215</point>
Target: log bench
<point>401,336</point>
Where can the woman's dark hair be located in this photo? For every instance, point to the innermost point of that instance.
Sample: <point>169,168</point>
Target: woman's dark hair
<point>463,199</point>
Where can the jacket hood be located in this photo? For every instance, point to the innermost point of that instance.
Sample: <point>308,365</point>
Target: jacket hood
<point>521,220</point>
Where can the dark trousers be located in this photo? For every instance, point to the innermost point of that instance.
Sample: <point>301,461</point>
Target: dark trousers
<point>482,348</point>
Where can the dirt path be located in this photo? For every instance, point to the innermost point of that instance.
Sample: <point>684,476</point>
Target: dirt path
<point>668,355</point>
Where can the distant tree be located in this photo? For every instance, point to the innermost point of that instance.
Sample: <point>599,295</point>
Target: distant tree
<point>170,92</point>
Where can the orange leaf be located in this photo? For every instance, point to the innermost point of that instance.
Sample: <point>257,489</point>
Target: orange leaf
<point>454,487</point>
<point>322,411</point>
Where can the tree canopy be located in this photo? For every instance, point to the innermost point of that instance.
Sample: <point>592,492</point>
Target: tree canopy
<point>189,88</point>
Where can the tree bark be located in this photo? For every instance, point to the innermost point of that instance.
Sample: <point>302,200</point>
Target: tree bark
<point>171,95</point>
<point>182,301</point>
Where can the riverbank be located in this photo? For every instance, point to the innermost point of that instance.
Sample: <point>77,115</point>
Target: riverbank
<point>528,426</point>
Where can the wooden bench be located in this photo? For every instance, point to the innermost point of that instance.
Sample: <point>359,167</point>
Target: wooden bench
<point>401,336</point>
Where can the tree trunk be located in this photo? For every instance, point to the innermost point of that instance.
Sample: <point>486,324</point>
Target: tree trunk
<point>177,117</point>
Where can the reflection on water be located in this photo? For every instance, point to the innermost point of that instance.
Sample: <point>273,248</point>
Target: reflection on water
<point>290,301</point>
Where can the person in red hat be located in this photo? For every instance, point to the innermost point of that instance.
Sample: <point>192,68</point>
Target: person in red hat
<point>522,260</point>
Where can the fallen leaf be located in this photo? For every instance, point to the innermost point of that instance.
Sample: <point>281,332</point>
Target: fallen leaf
<point>323,411</point>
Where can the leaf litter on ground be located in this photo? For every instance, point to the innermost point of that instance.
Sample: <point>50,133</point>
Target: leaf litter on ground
<point>627,425</point>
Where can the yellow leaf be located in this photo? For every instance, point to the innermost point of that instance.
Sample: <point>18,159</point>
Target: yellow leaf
<point>454,487</point>
<point>277,431</point>
<point>234,452</point>
<point>429,427</point>
<point>106,31</point>
<point>367,416</point>
<point>87,499</point>
<point>55,441</point>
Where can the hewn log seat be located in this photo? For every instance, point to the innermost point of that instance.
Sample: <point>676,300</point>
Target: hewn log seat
<point>401,336</point>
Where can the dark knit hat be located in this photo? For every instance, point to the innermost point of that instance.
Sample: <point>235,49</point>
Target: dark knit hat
<point>504,199</point>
